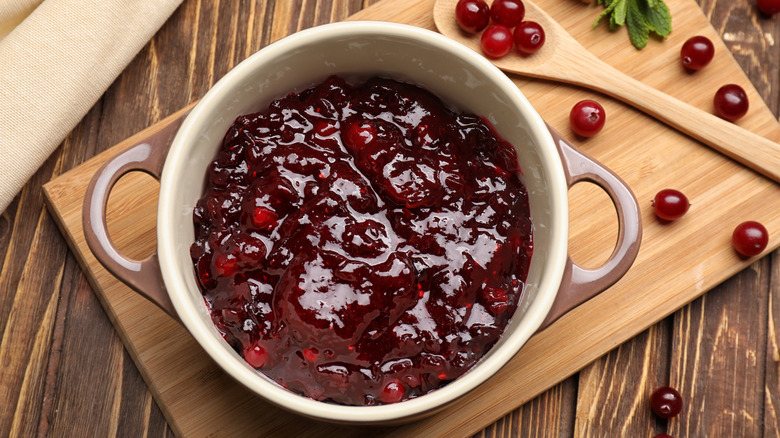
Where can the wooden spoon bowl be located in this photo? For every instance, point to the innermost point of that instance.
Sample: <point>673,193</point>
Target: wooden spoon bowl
<point>563,59</point>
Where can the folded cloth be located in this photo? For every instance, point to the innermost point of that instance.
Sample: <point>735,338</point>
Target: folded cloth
<point>13,12</point>
<point>55,65</point>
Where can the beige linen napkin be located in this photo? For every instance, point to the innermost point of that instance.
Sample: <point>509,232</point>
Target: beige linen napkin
<point>55,65</point>
<point>12,12</point>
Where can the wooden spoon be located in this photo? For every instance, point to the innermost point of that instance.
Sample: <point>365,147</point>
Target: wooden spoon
<point>563,59</point>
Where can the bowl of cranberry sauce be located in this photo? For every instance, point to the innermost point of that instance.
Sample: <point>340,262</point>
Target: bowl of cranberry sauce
<point>362,244</point>
<point>362,222</point>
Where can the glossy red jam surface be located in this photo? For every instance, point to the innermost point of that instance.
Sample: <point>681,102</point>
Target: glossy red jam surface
<point>362,244</point>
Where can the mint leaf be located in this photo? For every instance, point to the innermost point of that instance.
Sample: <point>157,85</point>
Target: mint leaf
<point>638,25</point>
<point>641,17</point>
<point>618,15</point>
<point>659,18</point>
<point>610,6</point>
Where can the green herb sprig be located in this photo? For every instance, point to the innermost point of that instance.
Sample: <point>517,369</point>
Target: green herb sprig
<point>640,17</point>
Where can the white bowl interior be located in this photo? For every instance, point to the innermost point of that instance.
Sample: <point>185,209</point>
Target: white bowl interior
<point>461,78</point>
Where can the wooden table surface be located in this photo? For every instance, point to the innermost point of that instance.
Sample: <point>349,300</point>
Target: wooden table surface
<point>64,371</point>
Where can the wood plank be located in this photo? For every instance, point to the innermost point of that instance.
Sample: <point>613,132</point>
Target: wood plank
<point>210,61</point>
<point>28,307</point>
<point>622,380</point>
<point>551,414</point>
<point>718,359</point>
<point>771,387</point>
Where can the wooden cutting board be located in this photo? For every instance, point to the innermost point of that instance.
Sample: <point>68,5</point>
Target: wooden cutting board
<point>678,261</point>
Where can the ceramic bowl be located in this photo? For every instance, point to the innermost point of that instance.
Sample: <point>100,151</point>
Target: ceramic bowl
<point>463,79</point>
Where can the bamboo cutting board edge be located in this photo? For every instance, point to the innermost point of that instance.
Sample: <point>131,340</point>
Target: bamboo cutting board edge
<point>68,218</point>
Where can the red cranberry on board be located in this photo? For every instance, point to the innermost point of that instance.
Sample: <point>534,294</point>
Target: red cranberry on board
<point>670,204</point>
<point>697,52</point>
<point>731,102</point>
<point>750,238</point>
<point>587,118</point>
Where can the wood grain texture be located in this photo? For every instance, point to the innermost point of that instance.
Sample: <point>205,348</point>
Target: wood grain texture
<point>718,359</point>
<point>549,357</point>
<point>771,399</point>
<point>65,371</point>
<point>623,379</point>
<point>715,403</point>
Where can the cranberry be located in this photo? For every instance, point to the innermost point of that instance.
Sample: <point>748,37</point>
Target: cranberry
<point>203,268</point>
<point>362,244</point>
<point>256,356</point>
<point>587,118</point>
<point>359,134</point>
<point>250,251</point>
<point>769,7</point>
<point>670,204</point>
<point>750,238</point>
<point>226,265</point>
<point>496,299</point>
<point>666,402</point>
<point>731,102</point>
<point>472,15</point>
<point>393,392</point>
<point>496,41</point>
<point>529,37</point>
<point>325,128</point>
<point>507,12</point>
<point>697,52</point>
<point>264,218</point>
<point>310,354</point>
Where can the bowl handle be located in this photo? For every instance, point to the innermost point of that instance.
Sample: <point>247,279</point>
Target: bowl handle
<point>147,155</point>
<point>579,284</point>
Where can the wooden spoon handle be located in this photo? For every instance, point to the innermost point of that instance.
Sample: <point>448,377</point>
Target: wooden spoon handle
<point>746,147</point>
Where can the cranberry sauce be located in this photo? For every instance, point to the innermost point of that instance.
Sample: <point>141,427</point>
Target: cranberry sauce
<point>362,244</point>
